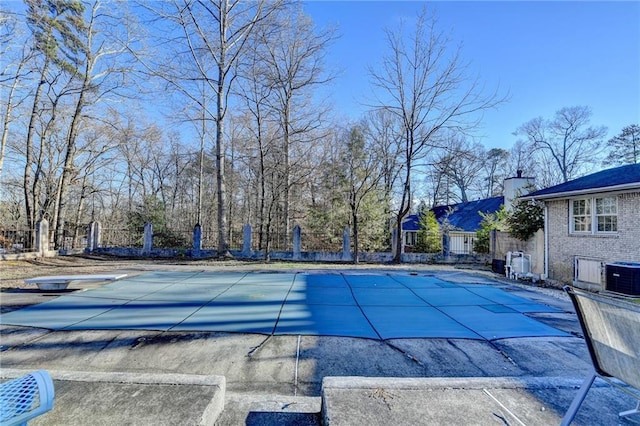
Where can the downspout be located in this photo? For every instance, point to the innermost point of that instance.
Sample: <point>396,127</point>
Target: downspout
<point>546,241</point>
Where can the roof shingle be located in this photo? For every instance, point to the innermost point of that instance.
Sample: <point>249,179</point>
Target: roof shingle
<point>596,182</point>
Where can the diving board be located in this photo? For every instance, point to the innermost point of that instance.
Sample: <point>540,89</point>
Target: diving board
<point>62,282</point>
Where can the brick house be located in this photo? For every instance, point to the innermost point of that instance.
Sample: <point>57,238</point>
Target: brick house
<point>464,219</point>
<point>591,221</point>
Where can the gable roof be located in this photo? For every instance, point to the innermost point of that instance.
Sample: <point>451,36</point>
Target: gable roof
<point>616,179</point>
<point>466,216</point>
<point>463,217</point>
<point>411,223</point>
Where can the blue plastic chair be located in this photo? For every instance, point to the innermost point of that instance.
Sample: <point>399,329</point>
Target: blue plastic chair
<point>26,397</point>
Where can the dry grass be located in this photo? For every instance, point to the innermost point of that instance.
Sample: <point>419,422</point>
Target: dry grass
<point>14,272</point>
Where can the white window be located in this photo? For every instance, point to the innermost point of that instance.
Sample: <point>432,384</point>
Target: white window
<point>581,216</point>
<point>606,215</point>
<point>410,238</point>
<point>593,215</point>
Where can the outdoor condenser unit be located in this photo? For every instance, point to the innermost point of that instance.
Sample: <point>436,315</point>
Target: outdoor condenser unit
<point>623,277</point>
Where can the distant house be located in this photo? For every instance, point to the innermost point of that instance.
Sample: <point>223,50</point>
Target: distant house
<point>589,222</point>
<point>410,228</point>
<point>463,219</point>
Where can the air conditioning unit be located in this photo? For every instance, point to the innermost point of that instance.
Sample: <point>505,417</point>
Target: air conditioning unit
<point>623,277</point>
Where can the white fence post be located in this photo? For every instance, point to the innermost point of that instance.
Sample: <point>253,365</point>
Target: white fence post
<point>93,236</point>
<point>42,237</point>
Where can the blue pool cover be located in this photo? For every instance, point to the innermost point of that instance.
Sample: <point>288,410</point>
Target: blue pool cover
<point>370,306</point>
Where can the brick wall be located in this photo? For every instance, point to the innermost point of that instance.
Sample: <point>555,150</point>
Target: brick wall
<point>563,247</point>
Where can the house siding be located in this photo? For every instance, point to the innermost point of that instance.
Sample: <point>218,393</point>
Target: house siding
<point>563,247</point>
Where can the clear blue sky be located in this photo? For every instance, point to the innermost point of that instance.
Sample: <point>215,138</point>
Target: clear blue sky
<point>545,55</point>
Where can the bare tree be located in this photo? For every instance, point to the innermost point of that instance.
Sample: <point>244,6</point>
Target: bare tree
<point>495,169</point>
<point>49,22</point>
<point>570,143</point>
<point>198,116</point>
<point>461,162</point>
<point>11,75</point>
<point>294,64</point>
<point>73,66</point>
<point>99,67</point>
<point>94,152</point>
<point>327,209</point>
<point>139,144</point>
<point>423,83</point>
<point>255,91</point>
<point>213,37</point>
<point>466,171</point>
<point>382,129</point>
<point>625,147</point>
<point>521,158</point>
<point>362,174</point>
<point>435,188</point>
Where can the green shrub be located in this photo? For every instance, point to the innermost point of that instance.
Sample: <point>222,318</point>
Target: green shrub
<point>429,240</point>
<point>490,221</point>
<point>525,219</point>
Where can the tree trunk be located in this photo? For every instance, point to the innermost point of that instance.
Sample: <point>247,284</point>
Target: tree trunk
<point>405,203</point>
<point>263,184</point>
<point>79,210</point>
<point>287,171</point>
<point>29,202</point>
<point>356,244</point>
<point>223,245</point>
<point>201,166</point>
<point>69,159</point>
<point>7,115</point>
